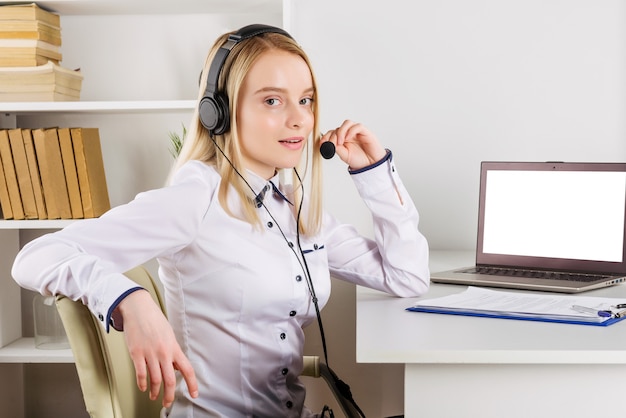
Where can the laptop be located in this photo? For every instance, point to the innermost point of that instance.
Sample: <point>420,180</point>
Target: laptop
<point>549,226</point>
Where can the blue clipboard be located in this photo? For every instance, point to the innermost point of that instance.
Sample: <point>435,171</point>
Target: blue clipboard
<point>604,323</point>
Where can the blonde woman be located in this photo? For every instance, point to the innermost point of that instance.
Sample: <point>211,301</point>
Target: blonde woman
<point>245,251</point>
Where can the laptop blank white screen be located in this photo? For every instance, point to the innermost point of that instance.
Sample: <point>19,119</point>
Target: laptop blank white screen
<point>557,214</point>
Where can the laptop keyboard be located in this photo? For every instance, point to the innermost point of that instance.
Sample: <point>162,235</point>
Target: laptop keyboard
<point>537,274</point>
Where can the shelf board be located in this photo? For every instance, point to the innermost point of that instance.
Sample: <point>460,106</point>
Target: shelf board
<point>144,7</point>
<point>145,106</point>
<point>36,223</point>
<point>23,350</point>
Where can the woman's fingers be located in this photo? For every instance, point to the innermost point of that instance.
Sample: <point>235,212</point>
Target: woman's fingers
<point>153,348</point>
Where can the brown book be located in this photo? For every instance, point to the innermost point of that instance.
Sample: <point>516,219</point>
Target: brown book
<point>28,45</point>
<point>23,60</point>
<point>42,36</point>
<point>27,56</point>
<point>23,174</point>
<point>38,96</point>
<point>49,74</point>
<point>33,168</point>
<point>5,201</point>
<point>29,12</point>
<point>30,29</point>
<point>52,175</point>
<point>90,168</point>
<point>20,25</point>
<point>10,175</point>
<point>71,175</point>
<point>27,52</point>
<point>38,88</point>
<point>48,82</point>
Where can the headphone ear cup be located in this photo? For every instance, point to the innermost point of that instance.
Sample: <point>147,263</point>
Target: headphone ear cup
<point>214,114</point>
<point>223,121</point>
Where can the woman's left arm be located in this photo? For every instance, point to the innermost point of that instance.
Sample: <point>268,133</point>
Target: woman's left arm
<point>396,261</point>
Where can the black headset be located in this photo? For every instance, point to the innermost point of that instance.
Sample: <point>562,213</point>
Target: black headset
<point>213,108</point>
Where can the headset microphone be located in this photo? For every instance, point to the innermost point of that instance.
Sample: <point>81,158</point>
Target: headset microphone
<point>327,149</point>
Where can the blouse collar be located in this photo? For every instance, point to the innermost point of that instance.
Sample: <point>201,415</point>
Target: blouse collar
<point>263,186</point>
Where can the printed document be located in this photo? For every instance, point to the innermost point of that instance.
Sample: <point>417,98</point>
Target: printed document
<point>478,300</point>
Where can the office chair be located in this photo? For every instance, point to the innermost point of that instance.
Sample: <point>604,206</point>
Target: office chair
<point>106,371</point>
<point>313,367</point>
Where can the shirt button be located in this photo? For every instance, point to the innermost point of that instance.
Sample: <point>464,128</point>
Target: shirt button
<point>289,404</point>
<point>290,244</point>
<point>101,317</point>
<point>298,278</point>
<point>284,371</point>
<point>315,246</point>
<point>270,224</point>
<point>292,313</point>
<point>283,335</point>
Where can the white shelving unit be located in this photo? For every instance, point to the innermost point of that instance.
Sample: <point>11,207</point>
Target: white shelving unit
<point>14,348</point>
<point>17,350</point>
<point>36,224</point>
<point>10,112</point>
<point>23,351</point>
<point>97,107</point>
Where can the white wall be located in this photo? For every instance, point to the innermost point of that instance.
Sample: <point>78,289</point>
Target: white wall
<point>449,83</point>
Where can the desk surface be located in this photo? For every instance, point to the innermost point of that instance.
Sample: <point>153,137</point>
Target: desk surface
<point>387,333</point>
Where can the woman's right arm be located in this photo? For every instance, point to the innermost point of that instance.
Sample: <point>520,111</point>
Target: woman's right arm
<point>86,262</point>
<point>153,348</point>
<point>52,265</point>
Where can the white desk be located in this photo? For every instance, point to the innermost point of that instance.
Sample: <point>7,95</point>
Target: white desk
<point>465,367</point>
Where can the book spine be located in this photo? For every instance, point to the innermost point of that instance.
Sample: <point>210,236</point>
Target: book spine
<point>31,34</point>
<point>71,175</point>
<point>23,174</point>
<point>52,174</point>
<point>90,169</point>
<point>5,200</point>
<point>10,176</point>
<point>33,168</point>
<point>29,12</point>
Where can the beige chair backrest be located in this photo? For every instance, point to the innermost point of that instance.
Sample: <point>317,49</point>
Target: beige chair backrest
<point>105,370</point>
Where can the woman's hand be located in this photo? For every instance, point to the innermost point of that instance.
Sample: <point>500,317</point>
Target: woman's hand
<point>355,144</point>
<point>153,347</point>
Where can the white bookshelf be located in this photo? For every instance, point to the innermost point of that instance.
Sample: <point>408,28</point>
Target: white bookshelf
<point>36,224</point>
<point>12,345</point>
<point>23,350</point>
<point>148,7</point>
<point>135,100</point>
<point>97,107</point>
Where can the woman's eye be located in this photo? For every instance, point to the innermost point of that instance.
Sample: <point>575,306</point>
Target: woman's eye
<point>306,101</point>
<point>271,102</point>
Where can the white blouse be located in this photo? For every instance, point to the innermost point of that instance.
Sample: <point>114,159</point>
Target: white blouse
<point>236,296</point>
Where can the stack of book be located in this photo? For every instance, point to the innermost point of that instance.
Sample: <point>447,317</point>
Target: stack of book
<point>52,173</point>
<point>30,56</point>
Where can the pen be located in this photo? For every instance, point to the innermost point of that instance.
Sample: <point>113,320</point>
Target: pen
<point>619,314</point>
<point>584,309</point>
<point>620,306</point>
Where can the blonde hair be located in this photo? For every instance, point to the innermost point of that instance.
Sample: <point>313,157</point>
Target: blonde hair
<point>198,144</point>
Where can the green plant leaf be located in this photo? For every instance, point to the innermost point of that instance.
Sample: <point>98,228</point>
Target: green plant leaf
<point>176,142</point>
